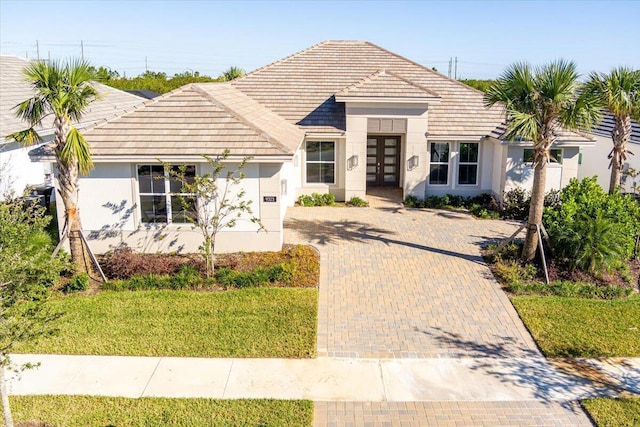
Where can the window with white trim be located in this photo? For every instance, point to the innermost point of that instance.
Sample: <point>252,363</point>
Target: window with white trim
<point>439,163</point>
<point>468,163</point>
<point>321,162</point>
<point>157,191</point>
<point>555,155</point>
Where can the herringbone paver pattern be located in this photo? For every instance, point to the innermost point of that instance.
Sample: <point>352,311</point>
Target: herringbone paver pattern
<point>408,283</point>
<point>449,414</point>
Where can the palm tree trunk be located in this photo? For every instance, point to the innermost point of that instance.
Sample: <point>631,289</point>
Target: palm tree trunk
<point>620,135</point>
<point>68,181</point>
<point>537,207</point>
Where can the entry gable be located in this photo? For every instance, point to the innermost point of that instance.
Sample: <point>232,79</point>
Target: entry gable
<point>385,86</point>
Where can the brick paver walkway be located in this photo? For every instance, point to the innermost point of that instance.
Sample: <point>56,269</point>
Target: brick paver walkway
<point>398,283</point>
<point>408,283</point>
<point>450,414</point>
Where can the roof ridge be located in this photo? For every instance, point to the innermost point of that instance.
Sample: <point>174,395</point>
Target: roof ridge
<point>286,58</point>
<point>412,83</point>
<point>363,80</point>
<point>425,68</point>
<point>238,116</point>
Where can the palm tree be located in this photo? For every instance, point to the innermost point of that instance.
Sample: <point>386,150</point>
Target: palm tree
<point>619,93</point>
<point>232,73</point>
<point>539,102</point>
<point>62,90</point>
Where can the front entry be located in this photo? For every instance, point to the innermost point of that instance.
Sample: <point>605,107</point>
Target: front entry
<point>383,161</point>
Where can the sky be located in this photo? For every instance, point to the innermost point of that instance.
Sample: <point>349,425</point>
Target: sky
<point>211,36</point>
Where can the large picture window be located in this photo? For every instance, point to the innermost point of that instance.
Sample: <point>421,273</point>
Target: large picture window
<point>159,202</point>
<point>439,164</point>
<point>468,164</point>
<point>321,162</point>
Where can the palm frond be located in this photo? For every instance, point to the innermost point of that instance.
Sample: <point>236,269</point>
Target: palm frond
<point>25,137</point>
<point>77,149</point>
<point>32,110</point>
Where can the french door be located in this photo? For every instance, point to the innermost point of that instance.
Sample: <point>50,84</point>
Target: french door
<point>383,161</point>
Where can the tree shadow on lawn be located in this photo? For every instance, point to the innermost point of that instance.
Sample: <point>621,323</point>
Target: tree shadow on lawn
<point>326,232</point>
<point>556,380</point>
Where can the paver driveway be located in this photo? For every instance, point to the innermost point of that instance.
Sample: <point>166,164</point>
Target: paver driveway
<point>407,283</point>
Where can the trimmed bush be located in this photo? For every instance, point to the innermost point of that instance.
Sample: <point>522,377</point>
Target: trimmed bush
<point>570,290</point>
<point>357,202</point>
<point>316,199</point>
<point>123,263</point>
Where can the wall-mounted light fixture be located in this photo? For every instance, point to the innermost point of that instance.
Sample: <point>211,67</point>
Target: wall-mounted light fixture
<point>352,162</point>
<point>283,187</point>
<point>413,162</point>
<point>296,161</point>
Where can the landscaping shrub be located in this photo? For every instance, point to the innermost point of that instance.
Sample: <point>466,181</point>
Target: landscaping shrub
<point>411,201</point>
<point>482,212</point>
<point>570,290</point>
<point>357,202</point>
<point>123,263</point>
<point>515,204</point>
<point>512,272</point>
<point>258,277</point>
<point>77,283</point>
<point>590,228</point>
<point>317,199</point>
<point>593,245</point>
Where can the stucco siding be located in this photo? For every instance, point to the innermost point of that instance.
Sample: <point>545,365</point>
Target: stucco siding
<point>595,162</point>
<point>17,171</point>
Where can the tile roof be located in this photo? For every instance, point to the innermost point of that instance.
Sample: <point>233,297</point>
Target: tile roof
<point>563,136</point>
<point>605,127</point>
<point>301,88</point>
<point>385,84</point>
<point>15,89</point>
<point>196,119</point>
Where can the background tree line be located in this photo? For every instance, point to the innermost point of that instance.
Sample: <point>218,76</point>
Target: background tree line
<point>160,82</point>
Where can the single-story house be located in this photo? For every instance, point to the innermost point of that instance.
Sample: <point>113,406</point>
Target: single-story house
<point>18,171</point>
<point>340,117</point>
<point>595,159</point>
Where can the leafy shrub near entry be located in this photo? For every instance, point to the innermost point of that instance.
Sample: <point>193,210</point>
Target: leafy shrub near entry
<point>316,199</point>
<point>591,229</point>
<point>357,202</point>
<point>78,283</point>
<point>512,272</point>
<point>258,277</point>
<point>186,278</point>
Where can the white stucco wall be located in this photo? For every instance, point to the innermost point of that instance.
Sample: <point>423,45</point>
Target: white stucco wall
<point>110,212</point>
<point>17,171</point>
<point>520,174</point>
<point>595,162</point>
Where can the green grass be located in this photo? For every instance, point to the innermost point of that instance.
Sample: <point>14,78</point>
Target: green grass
<point>59,411</point>
<point>573,327</point>
<point>614,412</point>
<point>264,322</point>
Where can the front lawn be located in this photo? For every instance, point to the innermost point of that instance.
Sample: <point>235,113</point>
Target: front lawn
<point>614,412</point>
<point>574,327</point>
<point>263,322</point>
<point>63,411</point>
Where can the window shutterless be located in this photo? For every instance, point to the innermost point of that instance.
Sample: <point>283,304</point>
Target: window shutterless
<point>321,162</point>
<point>468,163</point>
<point>439,164</point>
<point>158,192</point>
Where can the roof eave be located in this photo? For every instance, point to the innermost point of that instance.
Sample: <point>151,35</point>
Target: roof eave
<point>386,100</point>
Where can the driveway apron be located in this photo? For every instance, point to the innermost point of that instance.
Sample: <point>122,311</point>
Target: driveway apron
<point>408,283</point>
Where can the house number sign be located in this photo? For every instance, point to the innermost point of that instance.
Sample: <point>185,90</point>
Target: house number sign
<point>269,199</point>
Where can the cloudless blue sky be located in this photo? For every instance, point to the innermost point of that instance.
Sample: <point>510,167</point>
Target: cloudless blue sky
<point>211,36</point>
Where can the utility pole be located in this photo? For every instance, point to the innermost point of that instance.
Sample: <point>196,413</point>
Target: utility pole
<point>146,64</point>
<point>82,49</point>
<point>37,50</point>
<point>49,57</point>
<point>456,68</point>
<point>449,73</point>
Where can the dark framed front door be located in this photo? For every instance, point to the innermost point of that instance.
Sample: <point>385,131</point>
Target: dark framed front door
<point>383,161</point>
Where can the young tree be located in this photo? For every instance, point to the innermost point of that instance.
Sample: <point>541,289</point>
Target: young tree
<point>619,93</point>
<point>26,273</point>
<point>539,102</point>
<point>63,91</point>
<point>213,201</point>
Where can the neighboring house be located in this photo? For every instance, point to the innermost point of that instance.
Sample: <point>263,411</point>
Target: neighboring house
<point>595,159</point>
<point>18,171</point>
<point>340,117</point>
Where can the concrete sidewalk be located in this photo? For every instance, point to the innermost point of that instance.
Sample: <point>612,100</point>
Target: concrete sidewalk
<point>330,379</point>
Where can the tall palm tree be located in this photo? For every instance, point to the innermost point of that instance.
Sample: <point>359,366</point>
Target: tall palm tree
<point>539,102</point>
<point>232,73</point>
<point>619,93</point>
<point>62,90</point>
